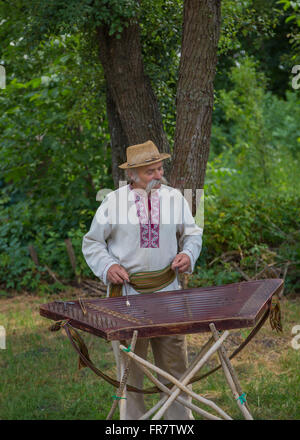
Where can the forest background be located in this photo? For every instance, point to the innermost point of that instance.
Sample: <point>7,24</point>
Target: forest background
<point>55,150</point>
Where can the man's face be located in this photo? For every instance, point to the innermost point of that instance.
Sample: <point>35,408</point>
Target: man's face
<point>149,173</point>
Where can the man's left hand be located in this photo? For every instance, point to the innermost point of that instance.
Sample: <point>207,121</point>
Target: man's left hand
<point>182,261</point>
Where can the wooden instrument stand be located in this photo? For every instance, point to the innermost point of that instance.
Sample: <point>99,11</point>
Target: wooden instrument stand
<point>214,344</point>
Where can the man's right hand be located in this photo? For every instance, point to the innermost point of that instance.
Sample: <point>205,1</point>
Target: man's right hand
<point>116,274</point>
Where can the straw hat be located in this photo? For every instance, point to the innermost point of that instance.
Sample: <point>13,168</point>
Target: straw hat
<point>143,154</point>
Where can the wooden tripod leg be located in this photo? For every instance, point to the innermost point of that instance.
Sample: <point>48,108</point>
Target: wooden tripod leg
<point>192,372</point>
<point>180,399</point>
<point>123,382</point>
<point>228,370</point>
<point>169,391</point>
<point>231,369</point>
<point>180,386</point>
<point>203,350</point>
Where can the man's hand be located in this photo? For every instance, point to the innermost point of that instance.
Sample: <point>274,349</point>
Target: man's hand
<point>116,274</point>
<point>182,261</point>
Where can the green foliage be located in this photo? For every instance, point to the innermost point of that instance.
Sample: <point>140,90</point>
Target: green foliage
<point>249,235</point>
<point>293,8</point>
<point>261,139</point>
<point>161,33</point>
<point>252,184</point>
<point>55,154</point>
<point>60,16</point>
<point>249,229</point>
<point>54,158</point>
<point>21,228</point>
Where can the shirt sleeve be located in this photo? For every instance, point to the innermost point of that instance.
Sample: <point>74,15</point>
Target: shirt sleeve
<point>94,244</point>
<point>189,236</point>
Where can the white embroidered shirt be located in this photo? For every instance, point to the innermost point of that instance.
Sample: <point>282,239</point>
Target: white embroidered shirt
<point>141,233</point>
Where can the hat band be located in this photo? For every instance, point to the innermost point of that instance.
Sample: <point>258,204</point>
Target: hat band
<point>145,160</point>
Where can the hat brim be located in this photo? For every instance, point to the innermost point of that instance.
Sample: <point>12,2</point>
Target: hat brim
<point>162,157</point>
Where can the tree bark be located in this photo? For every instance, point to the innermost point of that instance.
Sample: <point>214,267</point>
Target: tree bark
<point>194,99</point>
<point>137,117</point>
<point>118,139</point>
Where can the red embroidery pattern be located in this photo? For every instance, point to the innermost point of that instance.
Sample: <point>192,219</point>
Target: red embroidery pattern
<point>149,227</point>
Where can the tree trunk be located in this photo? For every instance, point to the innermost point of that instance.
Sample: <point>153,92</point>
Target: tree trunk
<point>137,116</point>
<point>194,99</point>
<point>118,139</point>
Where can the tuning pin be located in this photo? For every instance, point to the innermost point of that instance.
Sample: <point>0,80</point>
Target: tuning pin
<point>126,291</point>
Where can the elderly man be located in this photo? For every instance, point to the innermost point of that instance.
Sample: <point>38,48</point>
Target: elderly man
<point>145,228</point>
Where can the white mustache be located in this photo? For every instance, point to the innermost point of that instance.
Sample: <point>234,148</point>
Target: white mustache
<point>154,182</point>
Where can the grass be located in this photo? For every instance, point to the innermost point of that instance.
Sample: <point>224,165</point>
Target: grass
<point>40,378</point>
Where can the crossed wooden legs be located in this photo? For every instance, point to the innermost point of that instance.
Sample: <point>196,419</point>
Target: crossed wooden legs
<point>215,344</point>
